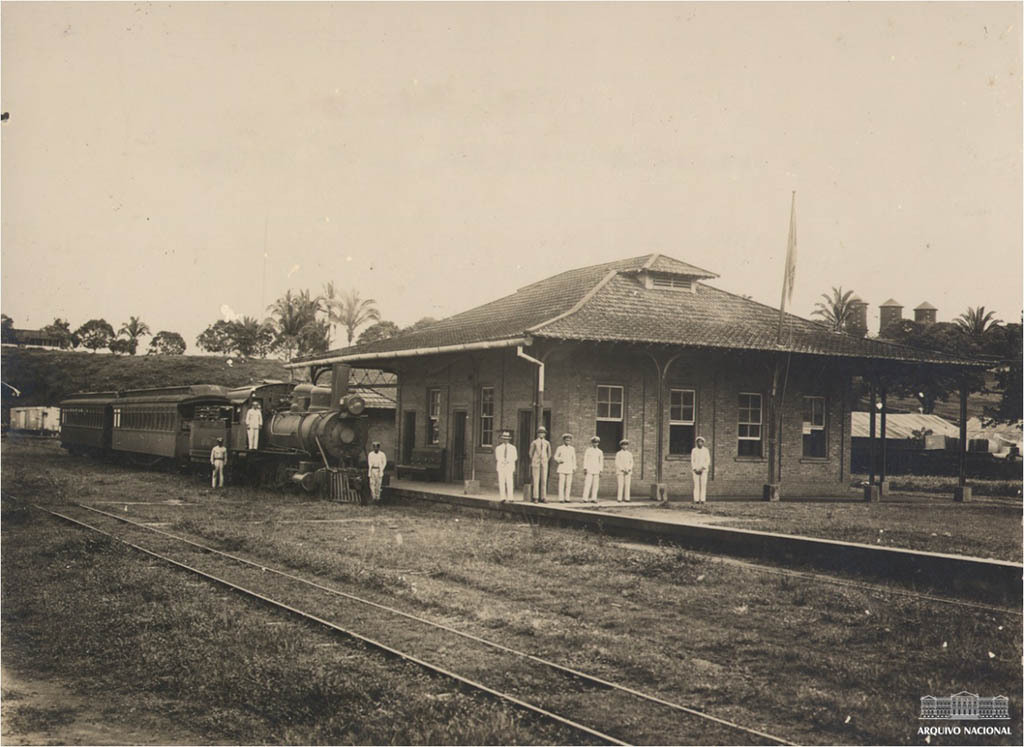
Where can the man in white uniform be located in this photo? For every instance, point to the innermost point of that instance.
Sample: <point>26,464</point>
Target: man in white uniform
<point>253,424</point>
<point>505,457</point>
<point>565,458</point>
<point>219,459</point>
<point>624,470</point>
<point>540,456</point>
<point>593,463</point>
<point>376,461</point>
<point>700,463</point>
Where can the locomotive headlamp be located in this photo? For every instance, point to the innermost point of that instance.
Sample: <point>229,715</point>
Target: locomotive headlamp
<point>353,404</point>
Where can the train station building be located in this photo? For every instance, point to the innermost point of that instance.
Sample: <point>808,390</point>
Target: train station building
<point>645,349</point>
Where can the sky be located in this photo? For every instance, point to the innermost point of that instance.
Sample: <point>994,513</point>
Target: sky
<point>184,161</point>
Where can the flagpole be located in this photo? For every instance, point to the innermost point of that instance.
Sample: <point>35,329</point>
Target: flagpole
<point>772,490</point>
<point>789,272</point>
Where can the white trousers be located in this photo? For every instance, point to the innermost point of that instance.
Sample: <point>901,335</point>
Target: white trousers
<point>254,437</point>
<point>624,480</point>
<point>591,484</point>
<point>700,487</point>
<point>506,489</point>
<point>375,480</point>
<point>565,486</point>
<point>540,481</point>
<point>217,478</point>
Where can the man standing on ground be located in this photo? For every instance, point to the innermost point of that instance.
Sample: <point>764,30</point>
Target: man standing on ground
<point>565,458</point>
<point>376,461</point>
<point>540,456</point>
<point>700,463</point>
<point>624,470</point>
<point>253,424</point>
<point>505,457</point>
<point>593,463</point>
<point>219,460</point>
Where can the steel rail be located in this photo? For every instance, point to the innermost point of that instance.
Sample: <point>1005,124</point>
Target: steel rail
<point>337,628</point>
<point>553,665</point>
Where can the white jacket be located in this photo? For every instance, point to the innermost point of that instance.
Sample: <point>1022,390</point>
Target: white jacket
<point>593,460</point>
<point>505,456</point>
<point>376,459</point>
<point>624,461</point>
<point>254,418</point>
<point>700,458</point>
<point>565,456</point>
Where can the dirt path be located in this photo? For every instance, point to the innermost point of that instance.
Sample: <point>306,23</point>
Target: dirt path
<point>42,711</point>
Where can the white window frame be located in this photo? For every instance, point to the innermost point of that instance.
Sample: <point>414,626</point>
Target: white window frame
<point>621,403</point>
<point>809,428</point>
<point>433,416</point>
<point>750,423</point>
<point>486,419</point>
<point>682,409</point>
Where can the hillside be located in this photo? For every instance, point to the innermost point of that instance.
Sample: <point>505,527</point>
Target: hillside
<point>45,377</point>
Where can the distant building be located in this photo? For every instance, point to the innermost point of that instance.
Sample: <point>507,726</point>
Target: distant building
<point>925,313</point>
<point>889,312</point>
<point>857,322</point>
<point>32,338</point>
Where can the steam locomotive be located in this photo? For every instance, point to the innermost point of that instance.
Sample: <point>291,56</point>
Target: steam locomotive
<point>313,436</point>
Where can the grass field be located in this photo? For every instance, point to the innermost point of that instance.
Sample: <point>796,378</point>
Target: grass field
<point>816,664</point>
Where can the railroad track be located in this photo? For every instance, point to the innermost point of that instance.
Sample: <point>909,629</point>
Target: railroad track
<point>597,708</point>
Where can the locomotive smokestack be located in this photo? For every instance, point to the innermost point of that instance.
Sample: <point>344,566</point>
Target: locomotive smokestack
<point>339,382</point>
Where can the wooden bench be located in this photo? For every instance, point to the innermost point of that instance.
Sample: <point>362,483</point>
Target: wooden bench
<point>425,464</point>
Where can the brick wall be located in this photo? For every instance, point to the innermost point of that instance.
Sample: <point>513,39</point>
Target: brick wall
<point>573,373</point>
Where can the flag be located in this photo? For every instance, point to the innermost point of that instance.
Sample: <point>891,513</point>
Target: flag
<point>789,275</point>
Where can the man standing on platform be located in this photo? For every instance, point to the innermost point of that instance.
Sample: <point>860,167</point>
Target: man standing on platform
<point>253,424</point>
<point>593,463</point>
<point>700,463</point>
<point>565,458</point>
<point>376,461</point>
<point>540,456</point>
<point>505,457</point>
<point>624,470</point>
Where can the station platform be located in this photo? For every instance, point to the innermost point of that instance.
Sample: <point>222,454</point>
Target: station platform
<point>690,526</point>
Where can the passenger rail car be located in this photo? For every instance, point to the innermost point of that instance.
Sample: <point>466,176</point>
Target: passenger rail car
<point>86,421</point>
<point>158,423</point>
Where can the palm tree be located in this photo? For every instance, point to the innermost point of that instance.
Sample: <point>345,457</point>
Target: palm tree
<point>134,328</point>
<point>835,309</point>
<point>352,312</point>
<point>290,315</point>
<point>976,322</point>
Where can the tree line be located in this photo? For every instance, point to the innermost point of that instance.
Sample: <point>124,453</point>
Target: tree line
<point>98,334</point>
<point>302,324</point>
<point>298,324</point>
